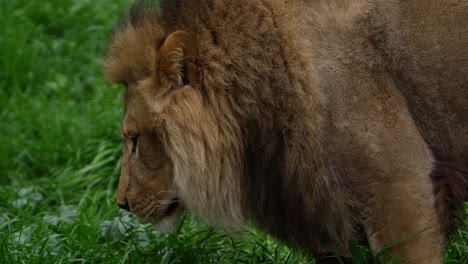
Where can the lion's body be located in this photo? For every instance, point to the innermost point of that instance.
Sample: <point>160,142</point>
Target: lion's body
<point>312,118</point>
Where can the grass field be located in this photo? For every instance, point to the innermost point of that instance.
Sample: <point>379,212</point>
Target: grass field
<point>60,151</point>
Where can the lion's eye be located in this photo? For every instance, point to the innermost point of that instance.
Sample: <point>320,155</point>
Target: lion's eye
<point>134,143</point>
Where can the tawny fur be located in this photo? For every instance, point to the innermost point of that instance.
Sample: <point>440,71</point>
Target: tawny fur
<point>310,118</point>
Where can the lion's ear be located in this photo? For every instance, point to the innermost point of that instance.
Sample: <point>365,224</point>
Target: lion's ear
<point>177,59</point>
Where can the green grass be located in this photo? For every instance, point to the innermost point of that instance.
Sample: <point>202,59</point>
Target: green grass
<point>60,153</point>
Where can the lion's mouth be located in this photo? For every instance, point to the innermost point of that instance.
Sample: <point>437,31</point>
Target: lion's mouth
<point>172,207</point>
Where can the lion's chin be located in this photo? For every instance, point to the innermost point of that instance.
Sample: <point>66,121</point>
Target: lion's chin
<point>166,225</point>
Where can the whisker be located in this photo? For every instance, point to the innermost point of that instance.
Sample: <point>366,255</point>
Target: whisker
<point>162,204</point>
<point>161,192</point>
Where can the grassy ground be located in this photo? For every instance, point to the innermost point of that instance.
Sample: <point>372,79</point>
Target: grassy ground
<point>60,148</point>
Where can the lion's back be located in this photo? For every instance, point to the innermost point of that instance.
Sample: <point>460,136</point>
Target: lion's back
<point>419,44</point>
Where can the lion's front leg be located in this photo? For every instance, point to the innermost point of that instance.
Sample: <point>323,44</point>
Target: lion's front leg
<point>393,183</point>
<point>398,203</point>
<point>388,164</point>
<point>397,195</point>
<point>401,211</point>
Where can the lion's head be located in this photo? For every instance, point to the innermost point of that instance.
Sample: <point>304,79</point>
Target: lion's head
<point>173,138</point>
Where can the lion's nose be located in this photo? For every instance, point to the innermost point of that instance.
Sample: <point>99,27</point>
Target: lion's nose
<point>125,205</point>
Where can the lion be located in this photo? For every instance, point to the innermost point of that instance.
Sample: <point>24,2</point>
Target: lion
<point>321,122</point>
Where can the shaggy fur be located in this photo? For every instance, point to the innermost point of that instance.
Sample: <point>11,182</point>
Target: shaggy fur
<point>310,118</point>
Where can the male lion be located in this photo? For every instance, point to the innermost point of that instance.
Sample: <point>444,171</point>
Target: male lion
<point>321,121</point>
